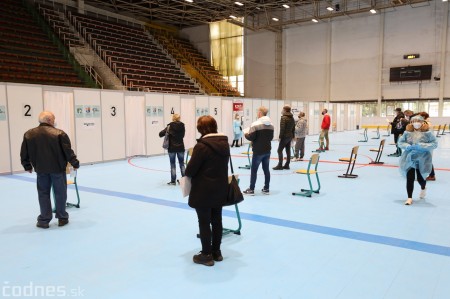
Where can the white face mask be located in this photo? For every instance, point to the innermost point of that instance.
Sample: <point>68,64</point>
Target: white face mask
<point>417,125</point>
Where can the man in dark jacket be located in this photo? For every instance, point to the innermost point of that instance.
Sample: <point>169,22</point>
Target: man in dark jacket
<point>208,170</point>
<point>48,150</point>
<point>287,131</point>
<point>176,146</point>
<point>261,135</point>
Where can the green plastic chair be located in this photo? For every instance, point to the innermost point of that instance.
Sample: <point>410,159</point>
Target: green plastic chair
<point>311,170</point>
<point>72,180</point>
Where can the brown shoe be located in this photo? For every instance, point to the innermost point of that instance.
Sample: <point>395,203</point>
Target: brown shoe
<point>217,256</point>
<point>204,259</point>
<point>42,225</point>
<point>62,222</point>
<point>431,178</point>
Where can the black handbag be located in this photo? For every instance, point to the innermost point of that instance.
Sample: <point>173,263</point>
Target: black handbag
<point>235,195</point>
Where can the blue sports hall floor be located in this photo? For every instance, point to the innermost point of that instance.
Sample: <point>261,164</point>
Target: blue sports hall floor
<point>134,236</point>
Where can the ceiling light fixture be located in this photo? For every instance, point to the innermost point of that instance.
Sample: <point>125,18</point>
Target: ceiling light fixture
<point>373,10</point>
<point>329,8</point>
<point>190,1</point>
<point>238,3</point>
<point>233,17</point>
<point>275,19</point>
<point>315,20</point>
<point>285,6</point>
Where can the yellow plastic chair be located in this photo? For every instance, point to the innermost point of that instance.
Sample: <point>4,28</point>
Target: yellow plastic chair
<point>351,163</point>
<point>248,153</point>
<point>379,151</point>
<point>311,170</point>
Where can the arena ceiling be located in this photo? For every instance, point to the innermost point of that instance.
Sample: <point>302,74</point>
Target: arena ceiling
<point>257,14</point>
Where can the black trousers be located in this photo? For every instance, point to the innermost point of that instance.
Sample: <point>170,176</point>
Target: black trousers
<point>210,218</point>
<point>396,137</point>
<point>285,144</point>
<point>410,178</point>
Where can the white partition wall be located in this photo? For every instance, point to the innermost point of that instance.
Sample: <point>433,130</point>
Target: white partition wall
<point>351,117</point>
<point>256,104</point>
<point>249,118</point>
<point>5,155</point>
<point>135,125</point>
<point>276,117</point>
<point>314,118</point>
<point>190,112</point>
<point>215,109</point>
<point>201,107</point>
<point>273,110</point>
<point>171,106</point>
<point>88,125</point>
<point>113,124</point>
<point>341,117</point>
<point>358,115</point>
<point>265,103</point>
<point>154,111</point>
<point>110,125</point>
<point>61,104</point>
<point>227,118</point>
<point>24,105</point>
<point>295,109</point>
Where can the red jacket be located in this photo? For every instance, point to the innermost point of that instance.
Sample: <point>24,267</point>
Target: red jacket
<point>326,121</point>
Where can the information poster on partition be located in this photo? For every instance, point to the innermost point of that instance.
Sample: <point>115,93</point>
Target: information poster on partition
<point>2,113</point>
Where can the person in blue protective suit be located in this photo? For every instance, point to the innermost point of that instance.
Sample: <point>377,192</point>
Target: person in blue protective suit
<point>417,143</point>
<point>237,130</point>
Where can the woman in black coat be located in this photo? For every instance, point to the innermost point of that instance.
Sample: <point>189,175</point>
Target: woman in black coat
<point>208,170</point>
<point>176,146</point>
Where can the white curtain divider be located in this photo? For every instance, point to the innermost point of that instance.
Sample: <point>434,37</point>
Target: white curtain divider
<point>189,119</point>
<point>61,104</point>
<point>135,125</point>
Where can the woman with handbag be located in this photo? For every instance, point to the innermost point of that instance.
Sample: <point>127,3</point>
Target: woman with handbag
<point>208,170</point>
<point>175,131</point>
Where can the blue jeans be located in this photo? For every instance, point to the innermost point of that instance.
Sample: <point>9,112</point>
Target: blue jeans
<point>173,170</point>
<point>256,160</point>
<point>45,181</point>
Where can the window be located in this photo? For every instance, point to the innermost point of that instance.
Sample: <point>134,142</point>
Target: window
<point>227,52</point>
<point>446,110</point>
<point>369,109</point>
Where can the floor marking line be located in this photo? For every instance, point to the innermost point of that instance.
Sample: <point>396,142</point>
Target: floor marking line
<point>330,231</point>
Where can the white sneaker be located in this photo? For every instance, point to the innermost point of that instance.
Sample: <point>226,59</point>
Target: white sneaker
<point>409,201</point>
<point>295,159</point>
<point>423,193</point>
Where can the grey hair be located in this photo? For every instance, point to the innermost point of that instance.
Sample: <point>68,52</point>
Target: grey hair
<point>263,110</point>
<point>46,117</point>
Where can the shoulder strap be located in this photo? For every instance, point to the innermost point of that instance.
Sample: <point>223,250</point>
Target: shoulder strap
<point>231,165</point>
<point>231,162</point>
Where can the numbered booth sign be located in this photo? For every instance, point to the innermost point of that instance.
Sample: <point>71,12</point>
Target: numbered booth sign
<point>113,120</point>
<point>24,105</point>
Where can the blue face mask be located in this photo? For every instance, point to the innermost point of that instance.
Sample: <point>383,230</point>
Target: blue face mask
<point>417,125</point>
